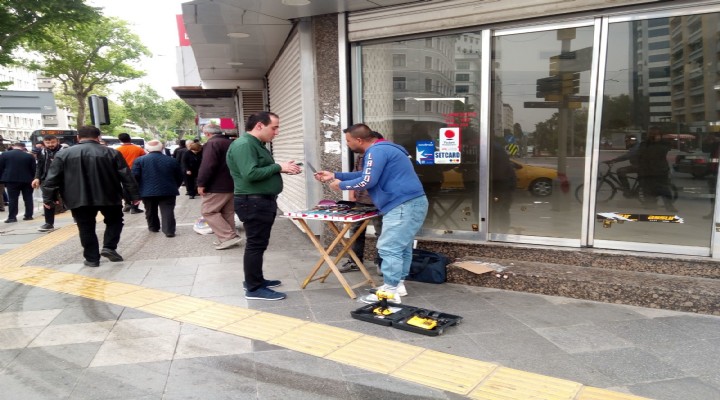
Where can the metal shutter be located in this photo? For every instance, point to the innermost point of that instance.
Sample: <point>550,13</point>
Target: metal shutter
<point>286,100</point>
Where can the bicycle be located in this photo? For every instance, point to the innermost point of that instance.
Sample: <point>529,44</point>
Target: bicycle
<point>608,185</point>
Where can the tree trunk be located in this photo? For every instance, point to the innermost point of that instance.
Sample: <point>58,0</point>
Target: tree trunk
<point>81,111</point>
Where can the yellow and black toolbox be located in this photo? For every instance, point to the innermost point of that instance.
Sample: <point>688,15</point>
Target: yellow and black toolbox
<point>407,318</point>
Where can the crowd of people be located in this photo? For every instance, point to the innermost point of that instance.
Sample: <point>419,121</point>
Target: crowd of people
<point>233,177</point>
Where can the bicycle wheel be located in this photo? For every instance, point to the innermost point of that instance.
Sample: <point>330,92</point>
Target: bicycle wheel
<point>606,190</point>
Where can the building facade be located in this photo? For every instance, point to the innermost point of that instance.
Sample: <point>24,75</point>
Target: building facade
<point>556,92</point>
<point>14,126</point>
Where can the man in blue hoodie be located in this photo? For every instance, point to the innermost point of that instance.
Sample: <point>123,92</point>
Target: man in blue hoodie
<point>395,189</point>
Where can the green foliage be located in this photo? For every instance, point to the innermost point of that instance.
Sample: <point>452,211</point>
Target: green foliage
<point>87,56</point>
<point>22,21</point>
<point>165,120</point>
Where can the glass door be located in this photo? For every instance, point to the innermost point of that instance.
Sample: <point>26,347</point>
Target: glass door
<point>541,82</point>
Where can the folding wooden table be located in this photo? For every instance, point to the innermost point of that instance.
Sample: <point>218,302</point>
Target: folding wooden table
<point>346,219</point>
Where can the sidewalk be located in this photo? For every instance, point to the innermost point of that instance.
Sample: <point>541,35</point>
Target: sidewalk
<point>55,345</point>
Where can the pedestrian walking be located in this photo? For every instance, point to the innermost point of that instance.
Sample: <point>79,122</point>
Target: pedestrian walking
<point>158,178</point>
<point>191,165</point>
<point>257,182</point>
<point>395,189</point>
<point>17,170</point>
<point>45,157</point>
<point>215,185</point>
<point>130,153</point>
<point>92,178</point>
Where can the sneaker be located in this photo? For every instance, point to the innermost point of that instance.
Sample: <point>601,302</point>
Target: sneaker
<point>348,266</point>
<point>111,255</point>
<point>401,291</point>
<point>28,218</point>
<point>372,298</point>
<point>91,263</point>
<point>229,243</point>
<point>46,227</point>
<point>264,294</point>
<point>10,220</point>
<point>136,211</point>
<point>267,284</point>
<point>169,235</point>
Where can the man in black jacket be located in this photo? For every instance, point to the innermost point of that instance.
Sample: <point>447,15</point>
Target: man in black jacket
<point>44,159</point>
<point>90,178</point>
<point>17,169</point>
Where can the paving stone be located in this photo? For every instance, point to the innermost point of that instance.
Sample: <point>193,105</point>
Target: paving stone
<point>683,388</point>
<point>89,311</point>
<point>628,366</point>
<point>134,351</point>
<point>73,333</point>
<point>18,338</point>
<point>582,338</point>
<point>27,319</point>
<point>49,358</point>
<point>211,344</point>
<point>132,381</point>
<point>144,328</point>
<point>223,377</point>
<point>37,385</point>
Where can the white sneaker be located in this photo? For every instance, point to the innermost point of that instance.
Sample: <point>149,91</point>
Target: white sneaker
<point>401,291</point>
<point>391,291</point>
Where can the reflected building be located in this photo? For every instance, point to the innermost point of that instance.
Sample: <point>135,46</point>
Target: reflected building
<point>650,57</point>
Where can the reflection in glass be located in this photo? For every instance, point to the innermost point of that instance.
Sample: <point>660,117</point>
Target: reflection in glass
<point>541,83</point>
<point>412,89</point>
<point>658,152</point>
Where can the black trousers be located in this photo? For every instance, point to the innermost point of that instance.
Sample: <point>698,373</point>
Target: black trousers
<point>15,189</point>
<point>85,218</point>
<point>258,217</point>
<point>166,204</point>
<point>191,185</point>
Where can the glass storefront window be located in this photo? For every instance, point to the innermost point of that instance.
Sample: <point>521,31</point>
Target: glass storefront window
<point>661,131</point>
<point>540,88</point>
<point>414,105</point>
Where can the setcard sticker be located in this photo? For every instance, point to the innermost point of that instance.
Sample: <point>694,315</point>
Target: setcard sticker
<point>447,157</point>
<point>425,152</point>
<point>450,139</point>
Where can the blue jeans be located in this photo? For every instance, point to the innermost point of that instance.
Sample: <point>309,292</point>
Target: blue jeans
<point>400,225</point>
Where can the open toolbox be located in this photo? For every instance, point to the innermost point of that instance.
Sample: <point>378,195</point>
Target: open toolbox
<point>408,318</point>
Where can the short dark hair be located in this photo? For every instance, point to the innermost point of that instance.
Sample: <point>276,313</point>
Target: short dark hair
<point>124,137</point>
<point>49,137</point>
<point>360,131</point>
<point>181,142</point>
<point>88,132</point>
<point>262,117</point>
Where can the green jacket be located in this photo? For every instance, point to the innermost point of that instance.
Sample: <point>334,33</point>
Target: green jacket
<point>252,167</point>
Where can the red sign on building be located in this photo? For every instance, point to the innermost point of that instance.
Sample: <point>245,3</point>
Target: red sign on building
<point>182,33</point>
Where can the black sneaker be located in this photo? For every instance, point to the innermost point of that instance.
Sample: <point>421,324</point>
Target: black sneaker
<point>111,255</point>
<point>136,211</point>
<point>264,294</point>
<point>126,208</point>
<point>91,263</point>
<point>10,220</point>
<point>46,227</point>
<point>348,266</point>
<point>28,218</point>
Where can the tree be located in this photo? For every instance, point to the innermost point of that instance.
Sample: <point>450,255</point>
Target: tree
<point>182,117</point>
<point>26,20</point>
<point>145,107</point>
<point>87,56</point>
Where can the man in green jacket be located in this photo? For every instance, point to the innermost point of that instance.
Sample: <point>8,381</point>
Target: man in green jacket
<point>257,182</point>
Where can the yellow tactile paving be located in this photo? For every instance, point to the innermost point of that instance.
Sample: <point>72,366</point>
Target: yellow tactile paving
<point>217,316</point>
<point>264,326</point>
<point>444,371</point>
<point>177,306</point>
<point>19,256</point>
<point>508,383</point>
<point>77,286</point>
<point>592,393</point>
<point>112,289</point>
<point>367,352</point>
<point>47,278</point>
<point>315,339</point>
<point>140,298</point>
<point>15,274</point>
